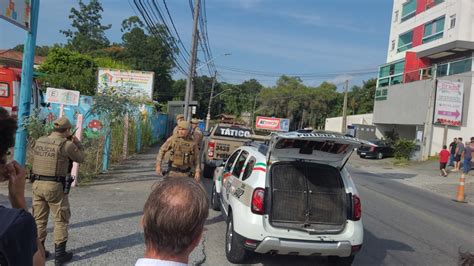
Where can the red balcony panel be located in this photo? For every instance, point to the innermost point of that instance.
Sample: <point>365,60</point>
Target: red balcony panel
<point>418,35</point>
<point>421,5</point>
<point>413,65</point>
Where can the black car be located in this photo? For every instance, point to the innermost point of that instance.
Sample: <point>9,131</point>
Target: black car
<point>381,149</point>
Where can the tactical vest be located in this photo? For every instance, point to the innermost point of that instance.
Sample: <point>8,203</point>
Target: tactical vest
<point>182,153</point>
<point>48,159</point>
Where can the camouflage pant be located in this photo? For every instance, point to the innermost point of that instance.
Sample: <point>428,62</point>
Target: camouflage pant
<point>48,196</point>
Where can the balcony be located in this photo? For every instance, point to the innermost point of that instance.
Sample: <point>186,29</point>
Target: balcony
<point>446,69</point>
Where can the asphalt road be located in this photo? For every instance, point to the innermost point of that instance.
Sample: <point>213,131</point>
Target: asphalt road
<point>403,226</point>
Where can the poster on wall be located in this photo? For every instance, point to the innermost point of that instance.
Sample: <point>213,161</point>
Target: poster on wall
<point>449,103</point>
<point>273,124</point>
<point>17,12</point>
<point>128,82</point>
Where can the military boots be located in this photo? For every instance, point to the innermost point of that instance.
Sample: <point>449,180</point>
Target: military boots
<point>61,256</point>
<point>46,252</point>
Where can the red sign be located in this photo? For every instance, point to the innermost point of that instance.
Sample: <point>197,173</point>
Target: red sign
<point>273,124</point>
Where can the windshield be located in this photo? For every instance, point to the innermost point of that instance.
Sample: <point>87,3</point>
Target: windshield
<point>307,146</point>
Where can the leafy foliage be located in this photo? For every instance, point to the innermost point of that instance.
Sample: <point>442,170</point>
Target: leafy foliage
<point>89,33</point>
<point>403,149</point>
<point>39,50</point>
<point>70,70</point>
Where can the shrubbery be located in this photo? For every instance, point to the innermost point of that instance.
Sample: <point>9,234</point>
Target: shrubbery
<point>404,148</point>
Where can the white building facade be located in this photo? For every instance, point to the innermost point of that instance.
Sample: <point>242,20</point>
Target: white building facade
<point>430,40</point>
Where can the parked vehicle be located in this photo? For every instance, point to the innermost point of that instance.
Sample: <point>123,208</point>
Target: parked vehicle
<point>220,142</point>
<point>10,80</point>
<point>293,196</point>
<point>379,150</point>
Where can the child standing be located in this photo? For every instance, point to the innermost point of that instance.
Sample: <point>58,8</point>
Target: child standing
<point>443,160</point>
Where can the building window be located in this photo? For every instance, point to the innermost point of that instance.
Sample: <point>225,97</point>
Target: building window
<point>395,16</point>
<point>392,47</point>
<point>452,22</point>
<point>432,3</point>
<point>405,41</point>
<point>433,30</point>
<point>408,10</point>
<point>391,74</point>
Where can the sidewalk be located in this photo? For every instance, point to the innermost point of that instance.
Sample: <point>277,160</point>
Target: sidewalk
<point>424,175</point>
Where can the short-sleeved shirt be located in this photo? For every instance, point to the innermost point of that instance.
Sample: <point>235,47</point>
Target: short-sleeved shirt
<point>467,153</point>
<point>444,156</point>
<point>452,147</point>
<point>17,237</point>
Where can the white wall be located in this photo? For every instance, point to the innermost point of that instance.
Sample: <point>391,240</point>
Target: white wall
<point>335,123</point>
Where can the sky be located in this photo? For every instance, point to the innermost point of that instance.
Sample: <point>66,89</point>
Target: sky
<point>319,40</point>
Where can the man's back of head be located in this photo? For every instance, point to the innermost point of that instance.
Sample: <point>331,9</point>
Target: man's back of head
<point>174,218</point>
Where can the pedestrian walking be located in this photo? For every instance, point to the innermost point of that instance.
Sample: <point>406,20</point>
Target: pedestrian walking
<point>443,160</point>
<point>19,244</point>
<point>51,158</point>
<point>452,150</point>
<point>467,158</point>
<point>173,222</point>
<point>458,154</point>
<point>184,154</point>
<point>196,132</point>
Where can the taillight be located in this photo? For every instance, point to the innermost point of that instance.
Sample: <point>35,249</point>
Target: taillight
<point>257,201</point>
<point>356,208</point>
<point>210,148</point>
<point>372,148</point>
<point>355,249</point>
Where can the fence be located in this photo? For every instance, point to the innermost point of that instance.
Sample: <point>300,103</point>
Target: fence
<point>107,142</point>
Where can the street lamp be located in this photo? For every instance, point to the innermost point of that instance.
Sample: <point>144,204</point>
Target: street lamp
<point>189,87</point>
<point>208,117</point>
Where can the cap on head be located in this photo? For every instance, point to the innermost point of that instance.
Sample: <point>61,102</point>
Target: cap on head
<point>62,123</point>
<point>184,125</point>
<point>180,117</point>
<point>194,121</point>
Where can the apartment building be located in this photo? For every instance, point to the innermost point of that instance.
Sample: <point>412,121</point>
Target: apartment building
<point>431,44</point>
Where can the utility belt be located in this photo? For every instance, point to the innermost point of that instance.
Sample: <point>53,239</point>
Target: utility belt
<point>60,179</point>
<point>65,180</point>
<point>181,170</point>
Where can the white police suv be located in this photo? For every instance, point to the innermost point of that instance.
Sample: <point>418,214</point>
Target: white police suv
<point>292,196</point>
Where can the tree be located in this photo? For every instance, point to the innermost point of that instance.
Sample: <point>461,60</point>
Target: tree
<point>39,50</point>
<point>70,70</point>
<point>89,33</point>
<point>148,52</point>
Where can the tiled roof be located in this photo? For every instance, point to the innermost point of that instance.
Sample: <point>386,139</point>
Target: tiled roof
<point>17,57</point>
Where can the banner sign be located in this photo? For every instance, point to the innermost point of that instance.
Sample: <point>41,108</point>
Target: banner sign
<point>60,96</point>
<point>16,12</point>
<point>273,124</point>
<point>449,103</point>
<point>127,82</point>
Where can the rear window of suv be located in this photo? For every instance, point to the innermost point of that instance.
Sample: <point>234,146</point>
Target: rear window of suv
<point>234,132</point>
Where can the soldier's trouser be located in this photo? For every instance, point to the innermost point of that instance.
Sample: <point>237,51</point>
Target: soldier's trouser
<point>49,196</point>
<point>178,174</point>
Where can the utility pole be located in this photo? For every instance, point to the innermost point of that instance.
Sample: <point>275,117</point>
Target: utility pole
<point>428,127</point>
<point>26,81</point>
<point>208,117</point>
<point>192,62</point>
<point>344,108</point>
<point>252,122</point>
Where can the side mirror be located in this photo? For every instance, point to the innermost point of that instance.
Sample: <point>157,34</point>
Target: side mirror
<point>206,133</point>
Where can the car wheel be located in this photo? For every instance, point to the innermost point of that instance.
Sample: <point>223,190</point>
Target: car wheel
<point>342,261</point>
<point>234,245</point>
<point>379,155</point>
<point>215,199</point>
<point>208,171</point>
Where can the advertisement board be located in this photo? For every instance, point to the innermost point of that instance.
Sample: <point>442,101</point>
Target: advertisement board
<point>16,12</point>
<point>272,123</point>
<point>61,96</point>
<point>127,82</point>
<point>449,103</point>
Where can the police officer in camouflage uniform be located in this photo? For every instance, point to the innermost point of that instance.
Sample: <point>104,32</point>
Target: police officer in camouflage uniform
<point>184,154</point>
<point>51,158</point>
<point>179,118</point>
<point>196,132</point>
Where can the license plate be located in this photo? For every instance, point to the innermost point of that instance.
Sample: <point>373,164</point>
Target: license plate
<point>362,153</point>
<point>224,148</point>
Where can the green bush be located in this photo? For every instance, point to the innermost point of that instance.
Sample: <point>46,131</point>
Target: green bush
<point>403,149</point>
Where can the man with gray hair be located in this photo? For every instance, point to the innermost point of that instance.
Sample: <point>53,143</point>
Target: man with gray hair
<point>173,221</point>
